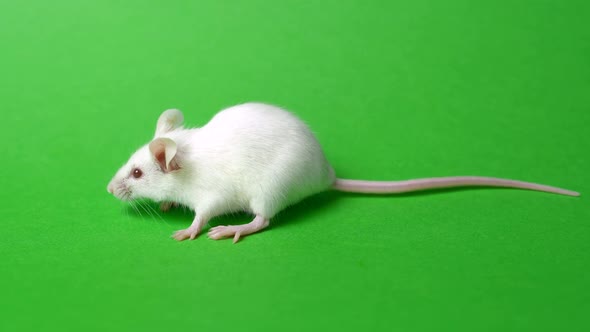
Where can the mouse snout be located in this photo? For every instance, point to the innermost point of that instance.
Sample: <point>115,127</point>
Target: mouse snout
<point>111,188</point>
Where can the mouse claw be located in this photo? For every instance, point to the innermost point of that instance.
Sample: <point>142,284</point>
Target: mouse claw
<point>180,235</point>
<point>219,232</point>
<point>214,233</point>
<point>184,234</point>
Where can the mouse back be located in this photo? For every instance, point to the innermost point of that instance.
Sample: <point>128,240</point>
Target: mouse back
<point>270,153</point>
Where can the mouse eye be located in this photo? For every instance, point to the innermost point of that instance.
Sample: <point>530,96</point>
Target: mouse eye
<point>137,173</point>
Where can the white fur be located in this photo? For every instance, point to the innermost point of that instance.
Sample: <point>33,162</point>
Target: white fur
<point>251,157</point>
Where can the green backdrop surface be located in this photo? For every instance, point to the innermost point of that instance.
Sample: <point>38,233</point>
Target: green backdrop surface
<point>393,90</point>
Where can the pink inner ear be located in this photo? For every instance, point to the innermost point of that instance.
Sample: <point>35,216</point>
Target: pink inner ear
<point>161,159</point>
<point>158,150</point>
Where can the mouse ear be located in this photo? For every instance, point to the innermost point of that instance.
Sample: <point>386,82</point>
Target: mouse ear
<point>168,121</point>
<point>164,151</point>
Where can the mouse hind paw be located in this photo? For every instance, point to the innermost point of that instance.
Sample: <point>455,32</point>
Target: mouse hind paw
<point>236,231</point>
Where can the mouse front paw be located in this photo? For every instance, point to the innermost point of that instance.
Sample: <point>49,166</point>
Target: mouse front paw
<point>183,234</point>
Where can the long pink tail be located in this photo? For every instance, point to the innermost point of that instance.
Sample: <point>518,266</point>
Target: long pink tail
<point>391,187</point>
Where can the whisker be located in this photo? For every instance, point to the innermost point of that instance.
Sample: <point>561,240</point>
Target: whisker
<point>155,212</point>
<point>125,209</point>
<point>141,205</point>
<point>135,208</point>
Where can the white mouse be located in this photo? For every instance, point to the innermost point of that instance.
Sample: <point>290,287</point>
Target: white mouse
<point>252,157</point>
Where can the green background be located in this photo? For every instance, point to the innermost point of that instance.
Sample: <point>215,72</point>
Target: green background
<point>393,89</point>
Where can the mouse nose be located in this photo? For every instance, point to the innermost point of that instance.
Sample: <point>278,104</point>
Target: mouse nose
<point>110,188</point>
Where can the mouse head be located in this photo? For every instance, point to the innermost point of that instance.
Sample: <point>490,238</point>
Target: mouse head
<point>148,172</point>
